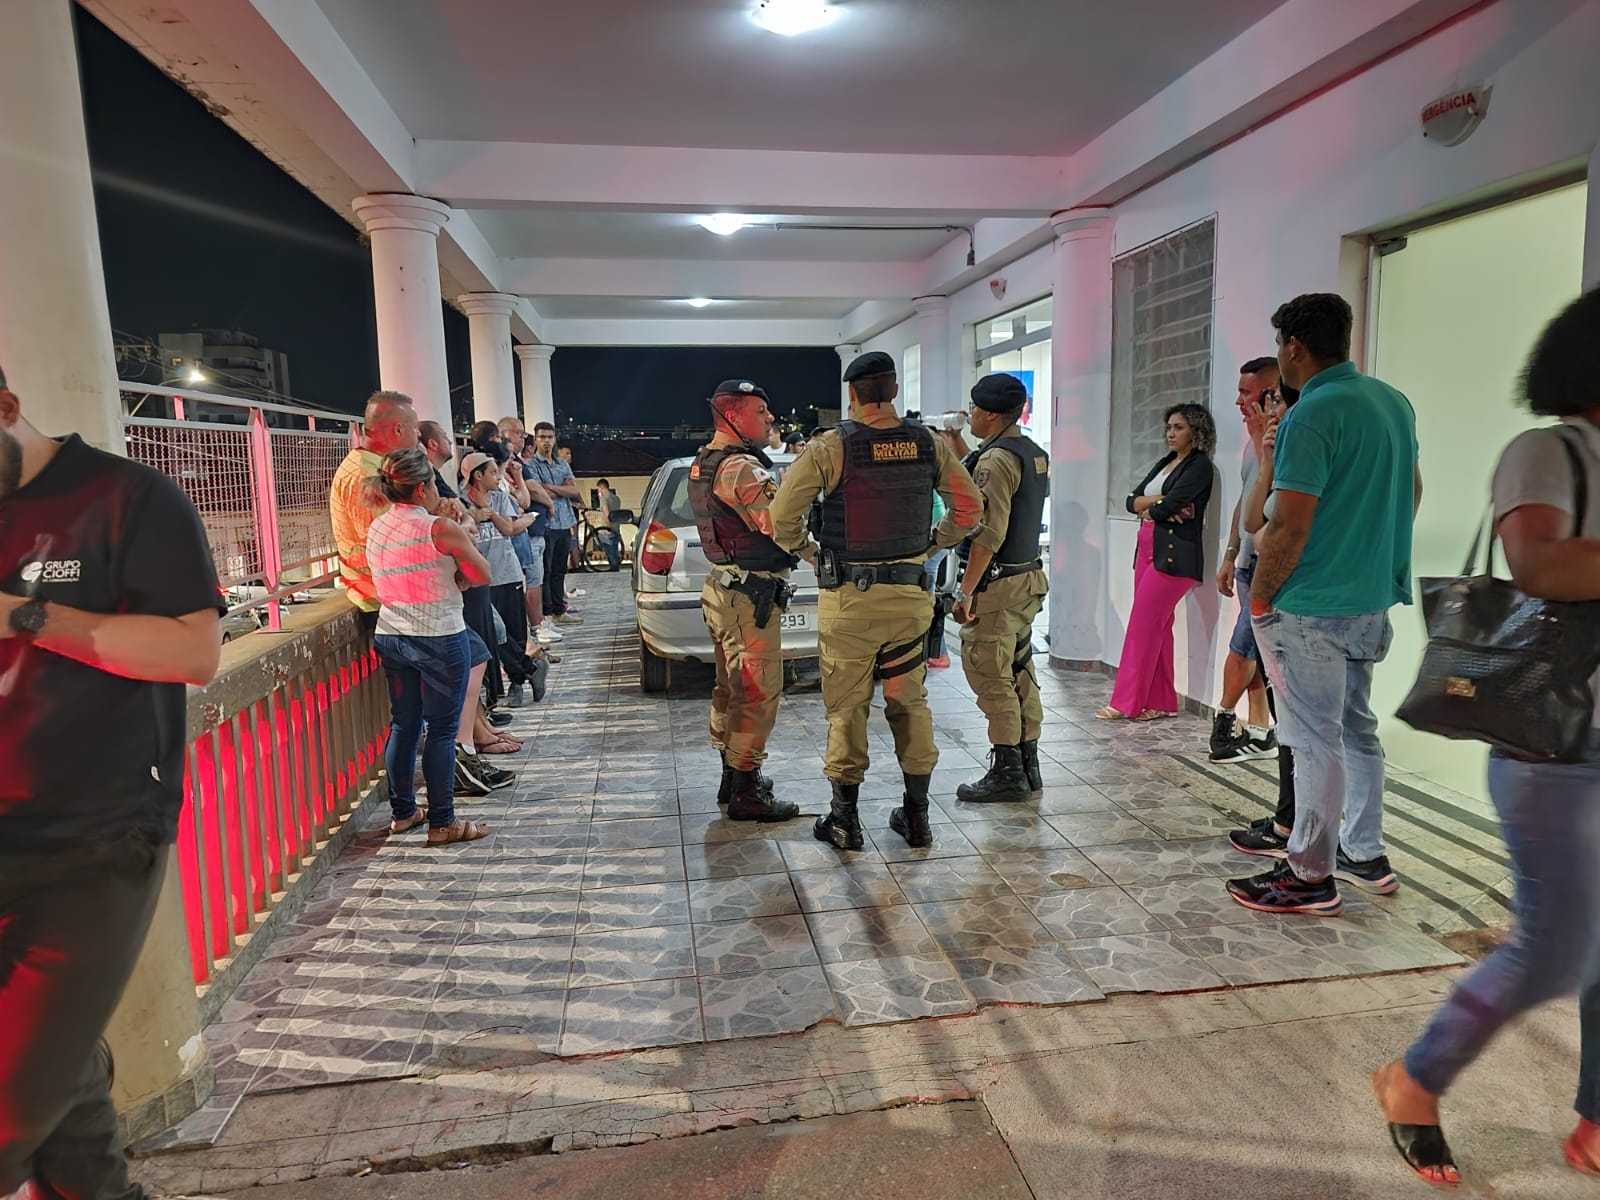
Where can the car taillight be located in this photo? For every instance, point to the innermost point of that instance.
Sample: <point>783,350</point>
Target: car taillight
<point>659,549</point>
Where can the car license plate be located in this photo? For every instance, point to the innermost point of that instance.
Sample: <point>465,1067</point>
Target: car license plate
<point>799,619</point>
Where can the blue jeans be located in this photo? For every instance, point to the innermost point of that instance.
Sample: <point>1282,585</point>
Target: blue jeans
<point>1321,674</point>
<point>428,679</point>
<point>612,541</point>
<point>1550,817</point>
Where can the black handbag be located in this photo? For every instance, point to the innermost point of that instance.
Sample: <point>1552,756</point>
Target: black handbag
<point>1506,668</point>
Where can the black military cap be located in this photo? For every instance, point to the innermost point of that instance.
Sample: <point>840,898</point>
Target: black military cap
<point>740,387</point>
<point>874,362</point>
<point>999,393</point>
<point>790,439</point>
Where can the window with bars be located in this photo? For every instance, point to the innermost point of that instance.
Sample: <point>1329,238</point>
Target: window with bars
<point>1161,347</point>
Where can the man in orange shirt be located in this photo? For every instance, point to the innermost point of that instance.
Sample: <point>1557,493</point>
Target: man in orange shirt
<point>389,423</point>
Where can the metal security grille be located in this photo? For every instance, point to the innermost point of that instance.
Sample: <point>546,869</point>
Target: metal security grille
<point>303,465</point>
<point>212,464</point>
<point>1161,347</point>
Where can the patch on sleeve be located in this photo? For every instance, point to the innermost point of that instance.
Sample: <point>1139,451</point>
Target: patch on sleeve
<point>981,477</point>
<point>694,471</point>
<point>1041,465</point>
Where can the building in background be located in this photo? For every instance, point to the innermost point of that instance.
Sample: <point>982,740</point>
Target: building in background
<point>230,360</point>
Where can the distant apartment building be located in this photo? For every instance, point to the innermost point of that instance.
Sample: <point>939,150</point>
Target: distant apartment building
<point>232,361</point>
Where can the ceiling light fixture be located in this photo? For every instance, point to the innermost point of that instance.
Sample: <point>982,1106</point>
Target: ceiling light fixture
<point>791,17</point>
<point>698,302</point>
<point>722,224</point>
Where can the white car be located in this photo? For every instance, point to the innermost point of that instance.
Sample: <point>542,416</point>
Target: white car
<point>668,571</point>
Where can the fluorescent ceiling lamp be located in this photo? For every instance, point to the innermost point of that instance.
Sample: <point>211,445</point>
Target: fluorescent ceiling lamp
<point>698,302</point>
<point>791,17</point>
<point>722,224</point>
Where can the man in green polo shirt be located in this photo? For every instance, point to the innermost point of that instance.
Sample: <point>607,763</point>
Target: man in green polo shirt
<point>1333,558</point>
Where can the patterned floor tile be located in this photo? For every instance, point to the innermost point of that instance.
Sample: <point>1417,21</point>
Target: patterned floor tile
<point>457,1031</point>
<point>999,836</point>
<point>1098,828</point>
<point>721,860</point>
<point>758,944</point>
<point>741,897</point>
<point>808,854</point>
<point>1080,798</point>
<point>1091,913</point>
<point>1024,975</point>
<point>634,835</point>
<point>701,799</point>
<point>633,907</point>
<point>622,868</point>
<point>1361,945</point>
<point>866,885</point>
<point>947,879</point>
<point>613,806</point>
<point>631,955</point>
<point>1187,820</point>
<point>1145,962</point>
<point>768,1002</point>
<point>502,968</point>
<point>1148,793</point>
<point>626,1016</point>
<point>949,841</point>
<point>877,991</point>
<point>1193,902</point>
<point>968,926</point>
<point>1151,861</point>
<point>541,871</point>
<point>853,933</point>
<point>710,827</point>
<point>1261,951</point>
<point>1039,872</point>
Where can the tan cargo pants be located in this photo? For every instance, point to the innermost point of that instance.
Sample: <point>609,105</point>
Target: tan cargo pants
<point>744,700</point>
<point>997,657</point>
<point>863,637</point>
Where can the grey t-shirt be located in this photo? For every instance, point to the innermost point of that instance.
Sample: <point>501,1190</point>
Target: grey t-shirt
<point>1248,470</point>
<point>1535,469</point>
<point>495,546</point>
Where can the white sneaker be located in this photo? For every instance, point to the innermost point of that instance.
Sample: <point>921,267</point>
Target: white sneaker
<point>548,633</point>
<point>572,591</point>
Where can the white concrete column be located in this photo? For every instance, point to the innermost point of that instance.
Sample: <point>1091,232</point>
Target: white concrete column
<point>1591,227</point>
<point>847,354</point>
<point>933,335</point>
<point>494,390</point>
<point>1080,434</point>
<point>404,231</point>
<point>55,328</point>
<point>538,397</point>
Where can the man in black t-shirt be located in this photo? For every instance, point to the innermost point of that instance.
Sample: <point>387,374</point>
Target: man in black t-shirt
<point>109,605</point>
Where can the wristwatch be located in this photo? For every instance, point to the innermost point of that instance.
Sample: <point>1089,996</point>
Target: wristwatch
<point>27,619</point>
<point>961,598</point>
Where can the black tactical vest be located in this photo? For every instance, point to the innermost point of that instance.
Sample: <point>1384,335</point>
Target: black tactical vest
<point>882,507</point>
<point>724,536</point>
<point>1027,505</point>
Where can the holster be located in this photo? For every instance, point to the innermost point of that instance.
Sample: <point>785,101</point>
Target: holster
<point>765,594</point>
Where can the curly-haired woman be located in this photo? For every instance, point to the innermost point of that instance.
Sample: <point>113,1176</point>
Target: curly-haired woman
<point>1170,503</point>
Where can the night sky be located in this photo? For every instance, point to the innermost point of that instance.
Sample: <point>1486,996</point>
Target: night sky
<point>200,230</point>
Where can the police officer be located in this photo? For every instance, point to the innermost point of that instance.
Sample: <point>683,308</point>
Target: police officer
<point>731,488</point>
<point>1002,588</point>
<point>876,475</point>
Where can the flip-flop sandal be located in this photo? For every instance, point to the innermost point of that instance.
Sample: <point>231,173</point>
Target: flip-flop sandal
<point>1110,714</point>
<point>1153,714</point>
<point>1424,1149</point>
<point>499,746</point>
<point>417,818</point>
<point>461,831</point>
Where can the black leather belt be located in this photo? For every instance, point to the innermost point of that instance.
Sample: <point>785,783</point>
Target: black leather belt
<point>1007,570</point>
<point>866,575</point>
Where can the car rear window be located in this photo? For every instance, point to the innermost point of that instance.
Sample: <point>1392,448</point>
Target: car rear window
<point>673,509</point>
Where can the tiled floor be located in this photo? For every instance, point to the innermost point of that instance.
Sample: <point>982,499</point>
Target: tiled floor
<point>614,907</point>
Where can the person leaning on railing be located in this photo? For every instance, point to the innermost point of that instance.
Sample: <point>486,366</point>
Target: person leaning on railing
<point>109,605</point>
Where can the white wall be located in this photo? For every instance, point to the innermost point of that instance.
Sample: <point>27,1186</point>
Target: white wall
<point>1351,160</point>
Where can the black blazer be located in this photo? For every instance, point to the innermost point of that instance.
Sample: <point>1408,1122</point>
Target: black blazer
<point>1179,546</point>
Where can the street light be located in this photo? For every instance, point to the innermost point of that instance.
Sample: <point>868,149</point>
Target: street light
<point>195,376</point>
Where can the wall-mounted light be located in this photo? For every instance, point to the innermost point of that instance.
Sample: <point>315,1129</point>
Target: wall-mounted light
<point>699,302</point>
<point>792,17</point>
<point>722,224</point>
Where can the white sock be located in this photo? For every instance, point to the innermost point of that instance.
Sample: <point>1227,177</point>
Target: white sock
<point>1259,732</point>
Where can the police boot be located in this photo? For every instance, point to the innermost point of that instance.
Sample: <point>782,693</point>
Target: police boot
<point>725,788</point>
<point>1030,764</point>
<point>1004,782</point>
<point>841,828</point>
<point>749,802</point>
<point>910,820</point>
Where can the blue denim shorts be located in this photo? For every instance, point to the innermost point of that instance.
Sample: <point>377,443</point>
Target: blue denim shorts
<point>533,568</point>
<point>1243,639</point>
<point>478,652</point>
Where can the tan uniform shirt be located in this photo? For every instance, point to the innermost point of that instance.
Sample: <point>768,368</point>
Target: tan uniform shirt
<point>998,474</point>
<point>819,470</point>
<point>748,488</point>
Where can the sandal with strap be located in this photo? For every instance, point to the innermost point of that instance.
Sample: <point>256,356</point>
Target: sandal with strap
<point>1426,1152</point>
<point>501,745</point>
<point>461,831</point>
<point>1110,714</point>
<point>410,823</point>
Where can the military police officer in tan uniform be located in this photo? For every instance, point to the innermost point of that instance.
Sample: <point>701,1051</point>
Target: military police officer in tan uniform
<point>731,487</point>
<point>1002,588</point>
<point>876,475</point>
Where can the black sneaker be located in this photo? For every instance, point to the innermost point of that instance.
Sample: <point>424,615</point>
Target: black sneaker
<point>1375,875</point>
<point>499,718</point>
<point>1228,741</point>
<point>1260,837</point>
<point>541,675</point>
<point>516,695</point>
<point>1280,890</point>
<point>468,782</point>
<point>1261,747</point>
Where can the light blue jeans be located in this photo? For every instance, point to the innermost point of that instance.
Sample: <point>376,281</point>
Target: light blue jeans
<point>1321,674</point>
<point>1550,817</point>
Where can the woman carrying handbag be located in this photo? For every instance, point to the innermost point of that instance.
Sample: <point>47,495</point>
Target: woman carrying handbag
<point>1547,516</point>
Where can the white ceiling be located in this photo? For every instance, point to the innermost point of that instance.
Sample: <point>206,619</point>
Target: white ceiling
<point>1021,77</point>
<point>598,233</point>
<point>602,308</point>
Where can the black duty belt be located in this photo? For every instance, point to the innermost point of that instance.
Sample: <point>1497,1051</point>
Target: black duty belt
<point>765,593</point>
<point>834,574</point>
<point>1007,570</point>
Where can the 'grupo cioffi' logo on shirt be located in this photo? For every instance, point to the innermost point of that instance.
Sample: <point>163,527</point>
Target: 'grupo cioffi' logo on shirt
<point>56,570</point>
